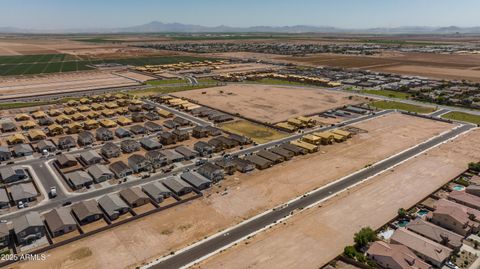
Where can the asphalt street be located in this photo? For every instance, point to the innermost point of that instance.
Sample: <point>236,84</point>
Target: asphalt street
<point>215,243</point>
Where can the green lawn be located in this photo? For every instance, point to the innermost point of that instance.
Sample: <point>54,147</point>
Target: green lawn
<point>402,106</point>
<point>165,81</point>
<point>462,116</point>
<point>12,105</point>
<point>387,93</point>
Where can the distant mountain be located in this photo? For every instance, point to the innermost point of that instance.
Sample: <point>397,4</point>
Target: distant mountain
<point>160,27</point>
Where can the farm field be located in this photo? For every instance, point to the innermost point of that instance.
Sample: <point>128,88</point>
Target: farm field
<point>402,106</point>
<point>258,133</point>
<point>314,237</point>
<point>241,196</point>
<point>462,116</point>
<point>270,103</point>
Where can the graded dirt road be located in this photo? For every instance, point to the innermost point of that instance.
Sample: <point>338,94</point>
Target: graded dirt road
<point>315,236</point>
<point>240,197</point>
<point>270,103</point>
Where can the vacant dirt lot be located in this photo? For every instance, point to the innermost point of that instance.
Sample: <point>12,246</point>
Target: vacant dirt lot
<point>242,196</point>
<point>258,133</point>
<point>269,103</point>
<point>17,87</point>
<point>317,235</point>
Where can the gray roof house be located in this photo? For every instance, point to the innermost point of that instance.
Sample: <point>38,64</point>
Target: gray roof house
<point>113,206</point>
<point>66,160</point>
<point>295,149</point>
<point>156,158</point>
<point>79,179</point>
<point>90,157</point>
<point>121,132</point>
<point>198,181</point>
<point>286,154</point>
<point>203,148</point>
<point>227,165</point>
<point>211,171</point>
<point>186,152</point>
<point>150,143</point>
<point>20,150</point>
<point>200,131</point>
<point>157,191</point>
<point>11,174</point>
<point>243,166</point>
<point>139,163</point>
<point>8,127</point>
<point>46,145</point>
<point>259,162</point>
<point>172,156</point>
<point>120,169</point>
<point>24,192</point>
<point>59,221</point>
<point>111,150</point>
<point>66,142</point>
<point>5,153</point>
<point>270,156</point>
<point>130,145</point>
<point>435,233</point>
<point>152,127</point>
<point>138,129</point>
<point>4,235</point>
<point>85,138</point>
<point>181,135</point>
<point>4,200</point>
<point>100,173</point>
<point>28,228</point>
<point>134,197</point>
<point>104,134</point>
<point>87,211</point>
<point>177,186</point>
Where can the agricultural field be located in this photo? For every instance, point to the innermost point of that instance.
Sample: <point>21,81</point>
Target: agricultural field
<point>258,133</point>
<point>271,103</point>
<point>462,116</point>
<point>56,63</point>
<point>402,106</point>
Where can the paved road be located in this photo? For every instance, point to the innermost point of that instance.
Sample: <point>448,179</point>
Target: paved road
<point>181,114</point>
<point>47,180</point>
<point>215,243</point>
<point>440,112</point>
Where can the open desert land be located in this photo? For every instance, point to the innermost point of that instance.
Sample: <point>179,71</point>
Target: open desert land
<point>315,236</point>
<point>66,82</point>
<point>268,103</point>
<point>240,197</point>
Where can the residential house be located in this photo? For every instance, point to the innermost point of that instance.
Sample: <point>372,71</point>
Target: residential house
<point>455,218</point>
<point>274,158</point>
<point>36,135</point>
<point>24,192</point>
<point>110,150</point>
<point>113,206</point>
<point>59,221</point>
<point>46,146</point>
<point>79,179</point>
<point>66,142</point>
<point>46,121</point>
<point>5,153</point>
<point>151,115</point>
<point>156,191</point>
<point>156,158</point>
<point>90,157</point>
<point>473,189</point>
<point>66,160</point>
<point>181,121</point>
<point>167,138</point>
<point>28,228</point>
<point>170,124</point>
<point>213,131</point>
<point>100,173</point>
<point>424,248</point>
<point>211,171</point>
<point>259,162</point>
<point>8,127</point>
<point>395,256</point>
<point>134,197</point>
<point>129,146</point>
<point>152,127</point>
<point>150,143</point>
<point>435,233</point>
<point>4,235</point>
<point>216,144</point>
<point>138,129</point>
<point>139,163</point>
<point>242,165</point>
<point>11,174</point>
<point>464,198</point>
<point>200,131</point>
<point>227,165</point>
<point>21,150</point>
<point>295,149</point>
<point>87,211</point>
<point>181,135</point>
<point>138,117</point>
<point>172,156</point>
<point>121,132</point>
<point>227,143</point>
<point>104,134</point>
<point>196,180</point>
<point>203,148</point>
<point>285,154</point>
<point>186,152</point>
<point>241,140</point>
<point>54,129</point>
<point>15,139</point>
<point>4,202</point>
<point>120,169</point>
<point>177,186</point>
<point>85,138</point>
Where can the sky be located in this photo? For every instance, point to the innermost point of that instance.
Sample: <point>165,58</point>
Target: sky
<point>68,14</point>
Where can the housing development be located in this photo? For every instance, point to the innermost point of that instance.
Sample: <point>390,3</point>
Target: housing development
<point>187,146</point>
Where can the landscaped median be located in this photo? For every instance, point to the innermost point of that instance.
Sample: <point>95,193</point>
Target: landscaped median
<point>462,116</point>
<point>402,106</point>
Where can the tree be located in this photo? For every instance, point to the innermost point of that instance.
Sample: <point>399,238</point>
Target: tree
<point>364,236</point>
<point>350,252</point>
<point>402,213</point>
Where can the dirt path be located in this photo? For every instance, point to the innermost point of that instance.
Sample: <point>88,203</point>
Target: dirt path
<point>315,236</point>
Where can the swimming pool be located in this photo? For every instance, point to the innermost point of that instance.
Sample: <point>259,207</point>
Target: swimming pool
<point>458,187</point>
<point>422,212</point>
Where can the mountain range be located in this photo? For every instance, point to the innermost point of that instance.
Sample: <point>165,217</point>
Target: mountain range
<point>160,27</point>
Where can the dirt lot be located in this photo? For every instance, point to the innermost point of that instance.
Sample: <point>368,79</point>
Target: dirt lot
<point>315,236</point>
<point>269,103</point>
<point>258,133</point>
<point>241,196</point>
